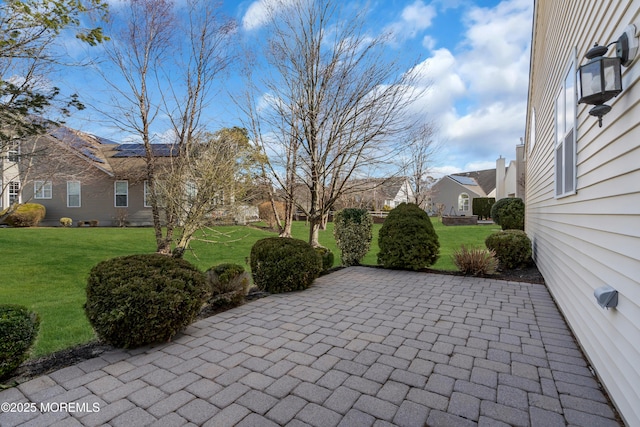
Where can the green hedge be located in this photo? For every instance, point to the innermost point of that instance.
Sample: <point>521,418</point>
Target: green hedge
<point>18,332</point>
<point>482,206</point>
<point>282,264</point>
<point>407,239</point>
<point>140,299</point>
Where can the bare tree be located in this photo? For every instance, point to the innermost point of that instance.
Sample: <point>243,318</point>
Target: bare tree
<point>419,154</point>
<point>154,39</point>
<point>335,102</point>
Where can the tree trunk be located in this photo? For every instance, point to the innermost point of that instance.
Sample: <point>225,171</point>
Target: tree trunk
<point>314,228</point>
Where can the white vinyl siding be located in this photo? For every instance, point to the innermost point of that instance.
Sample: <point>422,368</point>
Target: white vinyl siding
<point>42,189</point>
<point>74,199</point>
<point>121,194</point>
<point>591,238</point>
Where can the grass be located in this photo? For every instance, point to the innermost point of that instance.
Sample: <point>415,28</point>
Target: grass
<point>45,269</point>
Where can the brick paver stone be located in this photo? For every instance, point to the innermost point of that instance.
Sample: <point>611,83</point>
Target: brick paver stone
<point>361,347</point>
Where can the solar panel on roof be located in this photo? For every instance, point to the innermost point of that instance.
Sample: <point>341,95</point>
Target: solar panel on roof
<point>464,180</point>
<point>138,150</point>
<point>90,154</point>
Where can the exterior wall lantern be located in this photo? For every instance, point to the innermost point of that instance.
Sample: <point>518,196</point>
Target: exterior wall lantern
<point>600,79</point>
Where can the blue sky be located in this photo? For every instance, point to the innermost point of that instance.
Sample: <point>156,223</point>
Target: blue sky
<point>475,53</point>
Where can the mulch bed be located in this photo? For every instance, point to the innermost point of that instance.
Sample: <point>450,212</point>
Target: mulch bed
<point>64,358</point>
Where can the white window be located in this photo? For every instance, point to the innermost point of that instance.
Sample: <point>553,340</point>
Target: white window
<point>14,192</point>
<point>565,143</point>
<point>13,154</point>
<point>147,195</point>
<point>191,190</point>
<point>42,189</point>
<point>463,202</point>
<point>73,194</point>
<point>121,194</point>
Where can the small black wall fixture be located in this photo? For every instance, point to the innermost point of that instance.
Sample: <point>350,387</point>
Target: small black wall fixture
<point>600,79</point>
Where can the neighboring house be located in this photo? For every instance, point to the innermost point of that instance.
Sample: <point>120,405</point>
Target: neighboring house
<point>86,178</point>
<point>455,193</point>
<point>10,184</point>
<point>583,192</point>
<point>91,179</point>
<point>377,194</point>
<point>510,180</point>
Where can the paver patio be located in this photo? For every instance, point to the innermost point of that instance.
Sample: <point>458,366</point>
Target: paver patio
<point>361,347</point>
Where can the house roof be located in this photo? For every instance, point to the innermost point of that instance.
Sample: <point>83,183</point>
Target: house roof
<point>485,179</point>
<point>387,187</point>
<point>122,161</point>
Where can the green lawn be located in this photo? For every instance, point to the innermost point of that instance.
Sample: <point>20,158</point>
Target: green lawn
<point>45,269</point>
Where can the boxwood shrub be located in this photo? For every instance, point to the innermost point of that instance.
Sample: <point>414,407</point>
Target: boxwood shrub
<point>327,257</point>
<point>407,239</point>
<point>508,213</point>
<point>229,284</point>
<point>512,248</point>
<point>282,264</point>
<point>26,215</point>
<point>18,332</point>
<point>140,299</point>
<point>353,233</point>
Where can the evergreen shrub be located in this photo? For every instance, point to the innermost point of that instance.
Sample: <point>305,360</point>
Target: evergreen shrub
<point>512,248</point>
<point>18,332</point>
<point>327,257</point>
<point>229,284</point>
<point>26,215</point>
<point>282,264</point>
<point>353,233</point>
<point>66,222</point>
<point>508,213</point>
<point>482,206</point>
<point>140,299</point>
<point>407,239</point>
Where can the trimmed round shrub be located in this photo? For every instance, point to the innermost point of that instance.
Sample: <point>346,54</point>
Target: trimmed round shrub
<point>327,257</point>
<point>353,233</point>
<point>512,248</point>
<point>140,299</point>
<point>265,210</point>
<point>18,332</point>
<point>229,284</point>
<point>283,264</point>
<point>508,213</point>
<point>407,239</point>
<point>26,215</point>
<point>66,222</point>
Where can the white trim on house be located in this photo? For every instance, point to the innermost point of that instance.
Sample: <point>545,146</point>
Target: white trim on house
<point>122,192</point>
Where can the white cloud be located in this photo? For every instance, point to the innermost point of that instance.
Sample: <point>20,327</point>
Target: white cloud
<point>414,18</point>
<point>260,11</point>
<point>478,91</point>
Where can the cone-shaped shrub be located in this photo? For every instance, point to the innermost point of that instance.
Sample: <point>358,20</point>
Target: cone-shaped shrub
<point>407,239</point>
<point>353,233</point>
